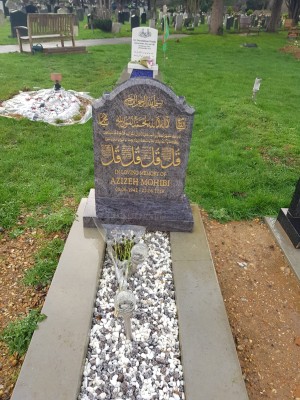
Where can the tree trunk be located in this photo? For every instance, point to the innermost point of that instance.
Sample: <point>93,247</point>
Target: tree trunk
<point>216,21</point>
<point>275,16</point>
<point>294,10</point>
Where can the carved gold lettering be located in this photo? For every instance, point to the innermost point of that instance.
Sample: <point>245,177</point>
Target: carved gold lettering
<point>124,181</point>
<point>103,119</point>
<point>155,182</point>
<point>124,121</point>
<point>143,101</point>
<point>127,155</point>
<point>181,124</point>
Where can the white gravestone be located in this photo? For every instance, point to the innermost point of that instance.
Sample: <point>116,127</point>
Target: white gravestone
<point>116,27</point>
<point>152,23</point>
<point>62,10</point>
<point>143,47</point>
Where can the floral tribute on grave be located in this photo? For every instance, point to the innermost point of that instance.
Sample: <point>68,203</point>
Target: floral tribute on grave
<point>55,106</point>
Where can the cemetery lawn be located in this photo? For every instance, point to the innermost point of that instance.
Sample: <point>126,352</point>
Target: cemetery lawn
<point>244,164</point>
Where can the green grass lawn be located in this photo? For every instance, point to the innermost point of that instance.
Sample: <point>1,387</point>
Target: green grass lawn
<point>244,159</point>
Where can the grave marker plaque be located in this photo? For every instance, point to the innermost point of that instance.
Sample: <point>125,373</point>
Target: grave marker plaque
<point>142,134</point>
<point>143,47</point>
<point>289,218</point>
<point>144,44</point>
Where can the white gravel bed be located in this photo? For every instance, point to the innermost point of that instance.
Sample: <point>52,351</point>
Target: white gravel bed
<point>149,367</point>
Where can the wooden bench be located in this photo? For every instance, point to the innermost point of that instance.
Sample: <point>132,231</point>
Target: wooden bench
<point>46,28</point>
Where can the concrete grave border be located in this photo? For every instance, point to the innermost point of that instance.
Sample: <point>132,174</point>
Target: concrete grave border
<point>291,253</point>
<point>52,369</point>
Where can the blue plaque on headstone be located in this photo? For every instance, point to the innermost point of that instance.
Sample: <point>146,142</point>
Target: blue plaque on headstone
<point>141,73</point>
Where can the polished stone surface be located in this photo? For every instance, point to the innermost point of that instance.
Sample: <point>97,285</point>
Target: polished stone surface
<point>289,218</point>
<point>142,133</point>
<point>290,225</point>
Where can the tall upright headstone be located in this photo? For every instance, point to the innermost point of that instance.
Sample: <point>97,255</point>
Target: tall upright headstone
<point>17,18</point>
<point>135,21</point>
<point>143,47</point>
<point>289,218</point>
<point>143,18</point>
<point>178,22</point>
<point>142,134</point>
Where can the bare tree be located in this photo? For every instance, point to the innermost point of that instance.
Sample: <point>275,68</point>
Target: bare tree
<point>275,16</point>
<point>294,10</point>
<point>216,22</point>
<point>192,6</point>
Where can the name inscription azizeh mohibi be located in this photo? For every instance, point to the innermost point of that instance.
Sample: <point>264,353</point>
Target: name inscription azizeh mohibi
<point>142,134</point>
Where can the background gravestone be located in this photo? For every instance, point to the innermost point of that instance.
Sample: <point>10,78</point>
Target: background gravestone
<point>135,21</point>
<point>121,17</point>
<point>196,20</point>
<point>143,18</point>
<point>31,9</point>
<point>80,14</point>
<point>17,18</point>
<point>116,27</point>
<point>152,23</point>
<point>289,218</point>
<point>179,22</point>
<point>142,134</point>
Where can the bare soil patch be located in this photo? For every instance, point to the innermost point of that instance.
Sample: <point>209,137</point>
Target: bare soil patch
<point>262,299</point>
<point>292,49</point>
<point>261,295</point>
<point>16,299</point>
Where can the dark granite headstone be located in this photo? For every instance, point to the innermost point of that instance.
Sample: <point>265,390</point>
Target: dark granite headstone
<point>229,23</point>
<point>17,18</point>
<point>289,218</point>
<point>31,9</point>
<point>135,21</point>
<point>121,17</point>
<point>142,134</point>
<point>143,18</point>
<point>80,14</point>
